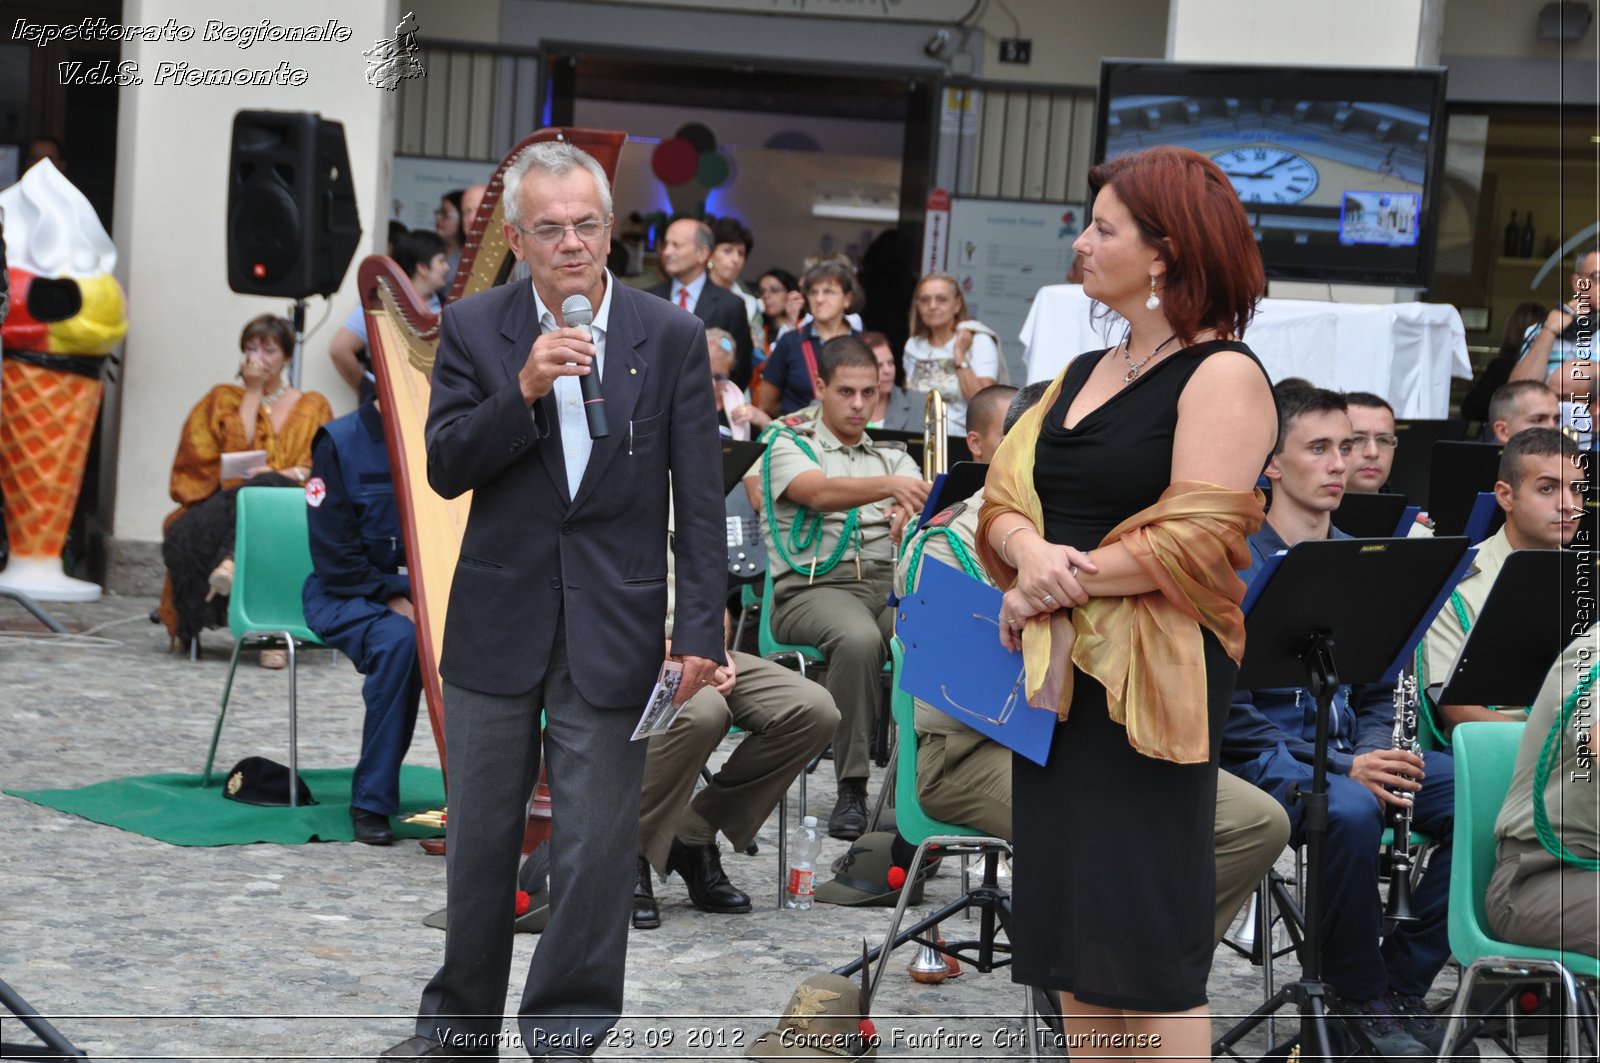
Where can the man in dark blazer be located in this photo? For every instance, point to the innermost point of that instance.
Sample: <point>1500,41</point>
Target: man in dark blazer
<point>685,250</point>
<point>558,603</point>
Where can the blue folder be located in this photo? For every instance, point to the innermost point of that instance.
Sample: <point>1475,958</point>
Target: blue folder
<point>950,626</point>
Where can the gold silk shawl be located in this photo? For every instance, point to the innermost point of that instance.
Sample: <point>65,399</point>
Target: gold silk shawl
<point>1145,649</point>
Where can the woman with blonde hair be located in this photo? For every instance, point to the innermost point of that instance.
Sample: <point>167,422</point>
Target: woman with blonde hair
<point>948,351</point>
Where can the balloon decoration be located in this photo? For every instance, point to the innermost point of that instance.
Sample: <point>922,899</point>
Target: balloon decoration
<point>67,314</point>
<point>690,164</point>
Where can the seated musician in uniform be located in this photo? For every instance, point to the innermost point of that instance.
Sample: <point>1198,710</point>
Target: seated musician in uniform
<point>963,777</point>
<point>1545,891</point>
<point>789,720</point>
<point>1540,488</point>
<point>1269,742</point>
<point>359,602</point>
<point>835,503</point>
<point>1372,448</point>
<point>1521,405</point>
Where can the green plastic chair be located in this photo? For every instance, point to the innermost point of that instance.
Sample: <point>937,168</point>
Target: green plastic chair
<point>770,647</point>
<point>1485,756</point>
<point>915,825</point>
<point>271,559</point>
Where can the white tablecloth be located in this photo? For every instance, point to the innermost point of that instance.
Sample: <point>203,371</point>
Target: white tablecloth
<point>1405,352</point>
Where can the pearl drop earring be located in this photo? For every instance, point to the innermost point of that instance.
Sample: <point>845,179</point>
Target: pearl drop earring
<point>1154,302</point>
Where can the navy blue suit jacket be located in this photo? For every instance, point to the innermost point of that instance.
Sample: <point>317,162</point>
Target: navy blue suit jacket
<point>529,551</point>
<point>720,308</point>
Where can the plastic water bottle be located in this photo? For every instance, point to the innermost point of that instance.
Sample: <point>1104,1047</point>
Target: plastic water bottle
<point>802,888</point>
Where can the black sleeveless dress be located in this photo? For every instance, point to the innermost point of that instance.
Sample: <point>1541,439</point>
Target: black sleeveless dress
<point>1114,888</point>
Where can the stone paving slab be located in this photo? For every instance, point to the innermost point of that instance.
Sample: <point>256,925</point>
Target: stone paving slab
<point>139,950</point>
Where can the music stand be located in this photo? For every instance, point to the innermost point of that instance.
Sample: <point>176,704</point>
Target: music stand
<point>960,483</point>
<point>955,447</point>
<point>1370,516</point>
<point>53,1045</point>
<point>1409,473</point>
<point>1302,603</point>
<point>1459,472</point>
<point>738,457</point>
<point>1518,635</point>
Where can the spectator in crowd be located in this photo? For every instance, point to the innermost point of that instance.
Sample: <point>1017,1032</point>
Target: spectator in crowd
<point>1475,403</point>
<point>448,222</point>
<point>782,306</point>
<point>730,250</point>
<point>685,253</point>
<point>260,415</point>
<point>898,409</point>
<point>948,352</point>
<point>788,380</point>
<point>735,416</point>
<point>421,257</point>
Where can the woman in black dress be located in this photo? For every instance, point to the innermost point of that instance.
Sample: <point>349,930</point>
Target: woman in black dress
<point>1116,514</point>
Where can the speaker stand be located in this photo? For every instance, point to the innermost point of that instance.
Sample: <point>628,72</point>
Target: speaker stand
<point>299,343</point>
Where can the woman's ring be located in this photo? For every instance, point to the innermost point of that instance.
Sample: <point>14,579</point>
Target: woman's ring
<point>1048,600</point>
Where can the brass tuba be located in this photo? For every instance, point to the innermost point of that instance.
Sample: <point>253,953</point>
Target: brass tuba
<point>935,436</point>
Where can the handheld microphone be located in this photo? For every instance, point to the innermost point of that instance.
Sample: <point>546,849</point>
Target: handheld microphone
<point>577,313</point>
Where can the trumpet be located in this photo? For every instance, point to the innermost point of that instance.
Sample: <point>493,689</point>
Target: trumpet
<point>935,436</point>
<point>1407,714</point>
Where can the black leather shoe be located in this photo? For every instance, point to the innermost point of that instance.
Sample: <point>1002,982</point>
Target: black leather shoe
<point>709,889</point>
<point>646,916</point>
<point>372,828</point>
<point>426,1048</point>
<point>849,819</point>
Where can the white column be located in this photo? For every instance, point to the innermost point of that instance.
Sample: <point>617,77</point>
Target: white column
<point>171,201</point>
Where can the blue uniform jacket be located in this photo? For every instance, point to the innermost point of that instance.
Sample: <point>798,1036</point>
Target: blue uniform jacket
<point>1262,721</point>
<point>356,544</point>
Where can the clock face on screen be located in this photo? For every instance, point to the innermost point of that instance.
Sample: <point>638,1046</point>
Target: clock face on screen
<point>1265,174</point>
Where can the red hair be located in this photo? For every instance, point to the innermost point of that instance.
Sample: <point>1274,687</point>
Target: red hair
<point>1187,210</point>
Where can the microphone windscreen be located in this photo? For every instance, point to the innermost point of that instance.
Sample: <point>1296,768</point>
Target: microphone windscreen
<point>576,311</point>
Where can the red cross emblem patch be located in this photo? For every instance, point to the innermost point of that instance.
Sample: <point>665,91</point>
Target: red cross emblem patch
<point>316,491</point>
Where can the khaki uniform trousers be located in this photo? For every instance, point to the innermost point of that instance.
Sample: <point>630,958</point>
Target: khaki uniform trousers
<point>965,778</point>
<point>1535,899</point>
<point>788,719</point>
<point>846,619</point>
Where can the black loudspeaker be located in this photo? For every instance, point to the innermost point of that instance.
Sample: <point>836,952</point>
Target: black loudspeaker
<point>292,219</point>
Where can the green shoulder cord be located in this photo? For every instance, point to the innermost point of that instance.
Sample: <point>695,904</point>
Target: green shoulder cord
<point>969,564</point>
<point>806,531</point>
<point>1465,621</point>
<point>1549,757</point>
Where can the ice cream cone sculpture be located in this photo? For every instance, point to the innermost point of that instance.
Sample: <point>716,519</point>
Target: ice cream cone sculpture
<point>67,313</point>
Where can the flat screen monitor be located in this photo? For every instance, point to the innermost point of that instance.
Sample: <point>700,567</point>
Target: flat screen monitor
<point>1338,169</point>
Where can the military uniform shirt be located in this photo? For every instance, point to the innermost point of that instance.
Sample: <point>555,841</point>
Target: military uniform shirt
<point>1445,637</point>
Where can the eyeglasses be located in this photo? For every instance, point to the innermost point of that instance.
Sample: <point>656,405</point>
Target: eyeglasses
<point>775,289</point>
<point>1387,442</point>
<point>592,229</point>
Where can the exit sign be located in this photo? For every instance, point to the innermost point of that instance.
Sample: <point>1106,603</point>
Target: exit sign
<point>1016,50</point>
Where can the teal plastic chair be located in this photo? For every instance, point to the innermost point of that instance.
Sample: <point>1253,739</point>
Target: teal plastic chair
<point>271,560</point>
<point>770,647</point>
<point>915,825</point>
<point>1485,755</point>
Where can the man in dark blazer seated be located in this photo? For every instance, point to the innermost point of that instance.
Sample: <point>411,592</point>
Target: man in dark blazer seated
<point>685,250</point>
<point>558,603</point>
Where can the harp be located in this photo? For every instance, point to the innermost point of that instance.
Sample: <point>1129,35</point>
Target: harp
<point>403,338</point>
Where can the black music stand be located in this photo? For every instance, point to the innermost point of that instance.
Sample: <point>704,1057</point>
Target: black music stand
<point>738,458</point>
<point>1300,605</point>
<point>1409,473</point>
<point>1459,472</point>
<point>955,447</point>
<point>960,483</point>
<point>1370,516</point>
<point>747,556</point>
<point>1524,624</point>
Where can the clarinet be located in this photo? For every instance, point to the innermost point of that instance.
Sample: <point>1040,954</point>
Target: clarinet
<point>1407,714</point>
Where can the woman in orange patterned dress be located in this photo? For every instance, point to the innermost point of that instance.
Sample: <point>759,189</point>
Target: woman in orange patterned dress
<point>198,546</point>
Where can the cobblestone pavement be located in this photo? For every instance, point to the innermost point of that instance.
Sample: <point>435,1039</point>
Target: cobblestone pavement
<point>141,950</point>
